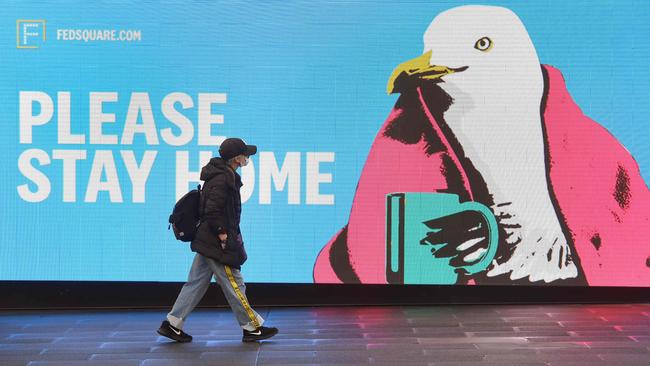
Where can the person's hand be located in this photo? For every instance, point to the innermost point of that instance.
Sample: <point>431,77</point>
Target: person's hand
<point>223,237</point>
<point>462,236</point>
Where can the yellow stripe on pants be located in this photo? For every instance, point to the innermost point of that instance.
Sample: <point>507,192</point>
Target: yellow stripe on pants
<point>241,297</point>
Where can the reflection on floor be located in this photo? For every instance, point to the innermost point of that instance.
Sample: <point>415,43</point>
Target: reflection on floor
<point>435,335</point>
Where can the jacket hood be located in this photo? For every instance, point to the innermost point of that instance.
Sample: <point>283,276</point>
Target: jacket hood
<point>217,166</point>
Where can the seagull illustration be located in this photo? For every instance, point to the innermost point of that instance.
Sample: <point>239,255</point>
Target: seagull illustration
<point>480,117</point>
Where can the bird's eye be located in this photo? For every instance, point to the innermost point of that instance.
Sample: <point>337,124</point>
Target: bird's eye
<point>484,44</point>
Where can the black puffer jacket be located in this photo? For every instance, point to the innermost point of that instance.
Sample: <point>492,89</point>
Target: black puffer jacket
<point>221,207</point>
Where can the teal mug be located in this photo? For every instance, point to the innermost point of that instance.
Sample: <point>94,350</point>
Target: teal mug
<point>410,262</point>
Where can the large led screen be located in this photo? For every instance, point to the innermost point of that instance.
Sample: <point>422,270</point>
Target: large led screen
<point>414,142</point>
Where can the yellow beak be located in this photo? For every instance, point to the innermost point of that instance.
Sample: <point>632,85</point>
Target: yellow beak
<point>417,68</point>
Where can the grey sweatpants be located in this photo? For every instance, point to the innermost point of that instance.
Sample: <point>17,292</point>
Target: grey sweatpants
<point>198,281</point>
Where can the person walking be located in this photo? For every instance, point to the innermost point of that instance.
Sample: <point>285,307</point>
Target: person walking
<point>219,247</point>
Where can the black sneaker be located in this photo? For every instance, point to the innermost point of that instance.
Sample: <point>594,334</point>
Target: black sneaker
<point>174,333</point>
<point>259,334</point>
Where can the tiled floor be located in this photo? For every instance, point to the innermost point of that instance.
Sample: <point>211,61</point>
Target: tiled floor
<point>435,335</point>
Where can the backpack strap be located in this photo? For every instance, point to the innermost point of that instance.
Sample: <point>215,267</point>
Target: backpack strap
<point>202,201</point>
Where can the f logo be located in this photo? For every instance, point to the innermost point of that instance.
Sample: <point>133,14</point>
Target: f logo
<point>30,33</point>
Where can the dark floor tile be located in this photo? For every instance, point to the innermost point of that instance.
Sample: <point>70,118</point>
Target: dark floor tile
<point>311,357</point>
<point>513,333</point>
<point>593,363</point>
<point>26,358</point>
<point>230,357</point>
<point>273,354</point>
<point>73,344</point>
<point>434,331</point>
<point>128,345</point>
<point>569,338</point>
<point>508,351</point>
<point>22,347</point>
<point>570,347</point>
<point>358,358</point>
<point>210,346</point>
<point>145,356</point>
<point>453,355</point>
<point>614,344</point>
<point>474,340</point>
<point>638,357</point>
<point>486,328</point>
<point>485,325</point>
<point>186,362</point>
<point>587,358</point>
<point>29,338</point>
<point>389,333</point>
<point>392,363</point>
<point>343,347</point>
<point>293,360</point>
<point>484,363</point>
<point>86,363</point>
<point>597,333</point>
<point>398,347</point>
<point>585,325</point>
<point>381,352</point>
<point>65,354</point>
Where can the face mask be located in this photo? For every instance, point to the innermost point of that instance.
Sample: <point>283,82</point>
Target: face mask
<point>244,161</point>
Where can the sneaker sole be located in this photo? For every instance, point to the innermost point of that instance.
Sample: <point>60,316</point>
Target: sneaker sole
<point>258,338</point>
<point>174,337</point>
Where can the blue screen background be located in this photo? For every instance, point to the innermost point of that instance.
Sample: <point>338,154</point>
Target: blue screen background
<point>300,76</point>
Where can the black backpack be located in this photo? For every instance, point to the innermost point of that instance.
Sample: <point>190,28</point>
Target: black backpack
<point>185,218</point>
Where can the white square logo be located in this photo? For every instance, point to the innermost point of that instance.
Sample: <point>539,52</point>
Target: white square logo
<point>30,33</point>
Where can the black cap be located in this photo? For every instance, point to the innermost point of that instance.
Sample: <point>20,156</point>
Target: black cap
<point>232,147</point>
